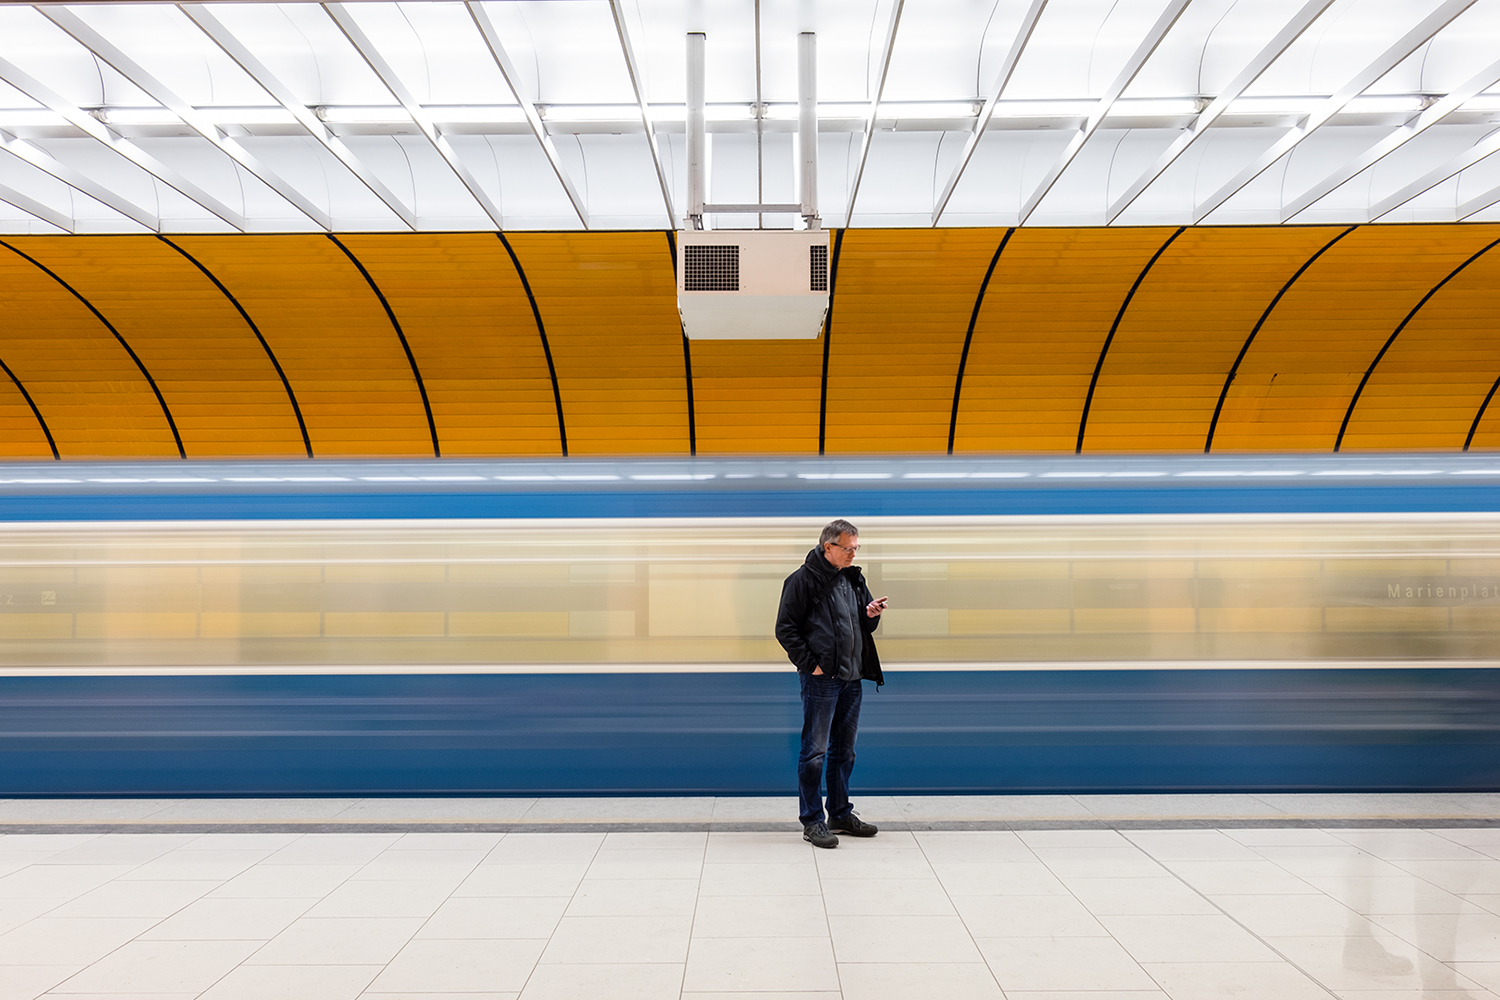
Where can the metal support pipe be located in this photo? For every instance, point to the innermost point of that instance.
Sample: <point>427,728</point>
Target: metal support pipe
<point>697,132</point>
<point>807,127</point>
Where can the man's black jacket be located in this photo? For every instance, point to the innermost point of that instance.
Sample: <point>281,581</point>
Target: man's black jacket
<point>804,623</point>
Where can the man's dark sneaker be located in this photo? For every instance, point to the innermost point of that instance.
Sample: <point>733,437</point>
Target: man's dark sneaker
<point>854,826</point>
<point>817,835</point>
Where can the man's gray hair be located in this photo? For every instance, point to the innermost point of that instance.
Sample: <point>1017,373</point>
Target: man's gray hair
<point>835,529</point>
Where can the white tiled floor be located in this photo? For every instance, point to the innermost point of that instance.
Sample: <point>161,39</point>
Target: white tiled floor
<point>1094,914</point>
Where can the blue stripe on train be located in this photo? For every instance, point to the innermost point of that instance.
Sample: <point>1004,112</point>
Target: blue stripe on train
<point>809,501</point>
<point>736,733</point>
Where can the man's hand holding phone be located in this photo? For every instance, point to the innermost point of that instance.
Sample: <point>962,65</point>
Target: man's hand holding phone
<point>875,607</point>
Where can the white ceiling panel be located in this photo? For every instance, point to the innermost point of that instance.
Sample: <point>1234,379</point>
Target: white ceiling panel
<point>264,117</point>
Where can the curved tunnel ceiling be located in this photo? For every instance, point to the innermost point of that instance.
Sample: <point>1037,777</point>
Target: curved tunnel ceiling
<point>1099,340</point>
<point>541,115</point>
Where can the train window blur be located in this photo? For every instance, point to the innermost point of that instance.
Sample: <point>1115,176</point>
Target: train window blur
<point>983,592</point>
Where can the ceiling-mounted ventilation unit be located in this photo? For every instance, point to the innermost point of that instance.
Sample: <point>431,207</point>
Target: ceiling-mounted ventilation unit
<point>752,284</point>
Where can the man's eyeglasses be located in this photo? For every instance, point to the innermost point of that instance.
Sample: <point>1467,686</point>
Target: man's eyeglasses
<point>851,549</point>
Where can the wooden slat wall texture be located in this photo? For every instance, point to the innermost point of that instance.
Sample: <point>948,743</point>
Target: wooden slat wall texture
<point>465,314</point>
<point>609,302</point>
<point>1299,377</point>
<point>1175,344</point>
<point>903,301</point>
<point>1046,315</point>
<point>332,337</point>
<point>217,380</point>
<point>91,394</point>
<point>901,310</point>
<point>1428,387</point>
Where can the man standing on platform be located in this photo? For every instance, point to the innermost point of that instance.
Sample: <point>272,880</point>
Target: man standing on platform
<point>825,623</point>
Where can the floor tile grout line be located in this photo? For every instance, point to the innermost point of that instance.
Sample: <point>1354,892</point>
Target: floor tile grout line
<point>1237,922</point>
<point>137,937</point>
<point>300,916</point>
<point>564,915</point>
<point>827,920</point>
<point>1063,882</point>
<point>967,930</point>
<point>693,920</point>
<point>427,919</point>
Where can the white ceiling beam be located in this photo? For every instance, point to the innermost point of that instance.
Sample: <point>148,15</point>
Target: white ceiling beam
<point>372,57</point>
<point>1485,147</point>
<point>97,130</point>
<point>32,207</point>
<point>282,94</point>
<point>44,161</point>
<point>638,84</point>
<point>1252,71</point>
<point>1358,84</point>
<point>1127,75</point>
<point>869,136</point>
<point>1002,80</point>
<point>194,119</point>
<point>1472,87</point>
<point>528,107</point>
<point>1477,204</point>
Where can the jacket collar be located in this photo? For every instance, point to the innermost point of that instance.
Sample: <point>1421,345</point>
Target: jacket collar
<point>825,570</point>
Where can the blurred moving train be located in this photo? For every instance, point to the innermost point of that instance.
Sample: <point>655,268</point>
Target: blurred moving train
<point>598,627</point>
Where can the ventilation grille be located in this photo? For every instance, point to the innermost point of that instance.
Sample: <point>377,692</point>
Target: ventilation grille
<point>710,268</point>
<point>819,269</point>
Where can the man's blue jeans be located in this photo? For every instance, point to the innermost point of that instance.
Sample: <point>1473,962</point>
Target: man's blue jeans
<point>830,720</point>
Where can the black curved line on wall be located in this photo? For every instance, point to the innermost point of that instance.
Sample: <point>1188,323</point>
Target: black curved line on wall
<point>161,400</point>
<point>290,395</point>
<point>1088,401</point>
<point>1474,427</point>
<point>833,283</point>
<point>1234,369</point>
<point>963,359</point>
<point>1349,414</point>
<point>34,411</point>
<point>541,330</point>
<point>687,356</point>
<point>411,358</point>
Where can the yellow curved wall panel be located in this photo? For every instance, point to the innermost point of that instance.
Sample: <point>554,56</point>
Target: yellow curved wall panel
<point>609,303</point>
<point>332,337</point>
<point>757,396</point>
<point>1299,376</point>
<point>23,437</point>
<point>94,399</point>
<point>901,308</point>
<point>218,383</point>
<point>1487,434</point>
<point>1178,339</point>
<point>471,329</point>
<point>1430,384</point>
<point>1046,313</point>
<point>902,304</point>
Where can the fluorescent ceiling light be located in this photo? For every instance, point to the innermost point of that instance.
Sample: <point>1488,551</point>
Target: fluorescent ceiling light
<point>888,109</point>
<point>1378,104</point>
<point>360,115</point>
<point>30,117</point>
<point>1044,109</point>
<point>1153,106</point>
<point>138,116</point>
<point>1370,104</point>
<point>249,116</point>
<point>1275,107</point>
<point>478,114</point>
<point>588,112</point>
<point>727,112</point>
